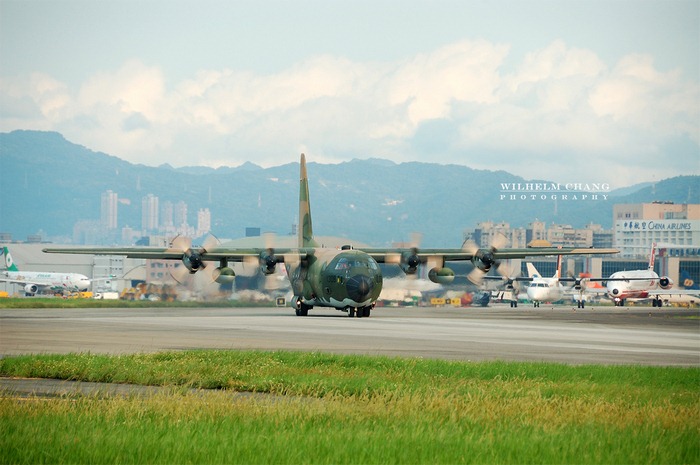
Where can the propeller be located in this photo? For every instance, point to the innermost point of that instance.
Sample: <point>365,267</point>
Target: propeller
<point>193,258</point>
<point>484,259</point>
<point>407,260</point>
<point>508,278</point>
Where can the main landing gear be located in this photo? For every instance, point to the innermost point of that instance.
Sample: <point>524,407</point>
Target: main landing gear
<point>359,312</point>
<point>301,308</point>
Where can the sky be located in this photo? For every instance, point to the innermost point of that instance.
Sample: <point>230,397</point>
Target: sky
<point>567,91</point>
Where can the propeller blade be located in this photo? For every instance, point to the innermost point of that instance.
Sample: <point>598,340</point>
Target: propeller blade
<point>181,243</point>
<point>476,276</point>
<point>210,242</point>
<point>499,241</point>
<point>180,274</point>
<point>470,247</point>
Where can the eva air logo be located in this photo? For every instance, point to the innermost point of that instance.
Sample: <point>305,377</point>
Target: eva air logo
<point>8,258</point>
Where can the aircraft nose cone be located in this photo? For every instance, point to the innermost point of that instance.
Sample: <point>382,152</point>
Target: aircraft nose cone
<point>359,287</point>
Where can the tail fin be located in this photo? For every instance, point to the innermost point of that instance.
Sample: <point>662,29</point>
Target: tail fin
<point>652,256</point>
<point>306,230</point>
<point>557,274</point>
<point>532,271</point>
<point>9,263</point>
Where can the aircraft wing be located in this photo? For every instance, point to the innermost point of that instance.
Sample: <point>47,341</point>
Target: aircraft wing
<point>670,292</point>
<point>602,280</point>
<point>21,281</point>
<point>171,253</point>
<point>388,255</point>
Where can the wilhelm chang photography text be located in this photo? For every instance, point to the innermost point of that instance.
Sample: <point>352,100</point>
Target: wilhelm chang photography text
<point>570,191</point>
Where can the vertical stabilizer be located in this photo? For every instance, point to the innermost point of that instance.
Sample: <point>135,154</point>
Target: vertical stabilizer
<point>306,230</point>
<point>557,274</point>
<point>532,271</point>
<point>9,263</point>
<point>651,257</point>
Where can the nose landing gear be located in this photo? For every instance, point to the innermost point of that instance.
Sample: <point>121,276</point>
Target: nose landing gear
<point>359,312</point>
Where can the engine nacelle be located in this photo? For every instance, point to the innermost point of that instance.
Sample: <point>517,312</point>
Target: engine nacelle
<point>268,262</point>
<point>225,275</point>
<point>192,261</point>
<point>31,289</point>
<point>441,275</point>
<point>665,282</point>
<point>483,260</point>
<point>409,262</point>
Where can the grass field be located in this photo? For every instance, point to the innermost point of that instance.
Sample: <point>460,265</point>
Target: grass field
<point>352,409</point>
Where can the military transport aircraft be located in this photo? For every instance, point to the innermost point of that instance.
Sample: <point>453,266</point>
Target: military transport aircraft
<point>346,279</point>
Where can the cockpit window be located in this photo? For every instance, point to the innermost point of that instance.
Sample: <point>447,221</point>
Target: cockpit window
<point>343,264</point>
<point>347,263</point>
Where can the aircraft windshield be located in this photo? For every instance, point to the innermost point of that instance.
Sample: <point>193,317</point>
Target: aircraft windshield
<point>347,263</point>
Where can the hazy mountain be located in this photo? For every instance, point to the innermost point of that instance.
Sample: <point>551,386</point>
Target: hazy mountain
<point>49,183</point>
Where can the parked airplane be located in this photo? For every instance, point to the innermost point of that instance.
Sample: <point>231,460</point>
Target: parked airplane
<point>35,281</point>
<point>549,289</point>
<point>635,284</point>
<point>641,284</point>
<point>346,279</point>
<point>545,289</point>
<point>540,289</point>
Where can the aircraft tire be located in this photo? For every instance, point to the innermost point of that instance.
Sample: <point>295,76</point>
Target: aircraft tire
<point>351,312</point>
<point>366,311</point>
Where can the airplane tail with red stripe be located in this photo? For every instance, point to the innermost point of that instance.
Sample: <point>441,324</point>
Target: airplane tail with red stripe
<point>651,256</point>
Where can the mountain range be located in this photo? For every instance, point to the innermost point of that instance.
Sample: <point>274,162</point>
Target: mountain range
<point>49,183</point>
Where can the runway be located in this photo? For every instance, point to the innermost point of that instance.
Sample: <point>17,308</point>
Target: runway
<point>604,335</point>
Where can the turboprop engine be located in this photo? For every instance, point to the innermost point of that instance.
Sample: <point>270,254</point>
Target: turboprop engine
<point>483,260</point>
<point>442,275</point>
<point>665,282</point>
<point>192,260</point>
<point>409,262</point>
<point>268,262</point>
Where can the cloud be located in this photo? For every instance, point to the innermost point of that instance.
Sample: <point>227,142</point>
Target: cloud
<point>560,108</point>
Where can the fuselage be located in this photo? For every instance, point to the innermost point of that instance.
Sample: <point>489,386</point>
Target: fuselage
<point>635,288</point>
<point>545,290</point>
<point>337,278</point>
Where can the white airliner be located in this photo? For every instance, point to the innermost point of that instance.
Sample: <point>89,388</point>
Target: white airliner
<point>544,289</point>
<point>540,289</point>
<point>641,284</point>
<point>35,281</point>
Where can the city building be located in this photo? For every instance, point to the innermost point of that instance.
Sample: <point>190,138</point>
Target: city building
<point>486,234</point>
<point>203,221</point>
<point>149,213</point>
<point>108,210</point>
<point>675,228</point>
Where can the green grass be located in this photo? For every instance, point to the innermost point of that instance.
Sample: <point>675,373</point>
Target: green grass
<point>353,409</point>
